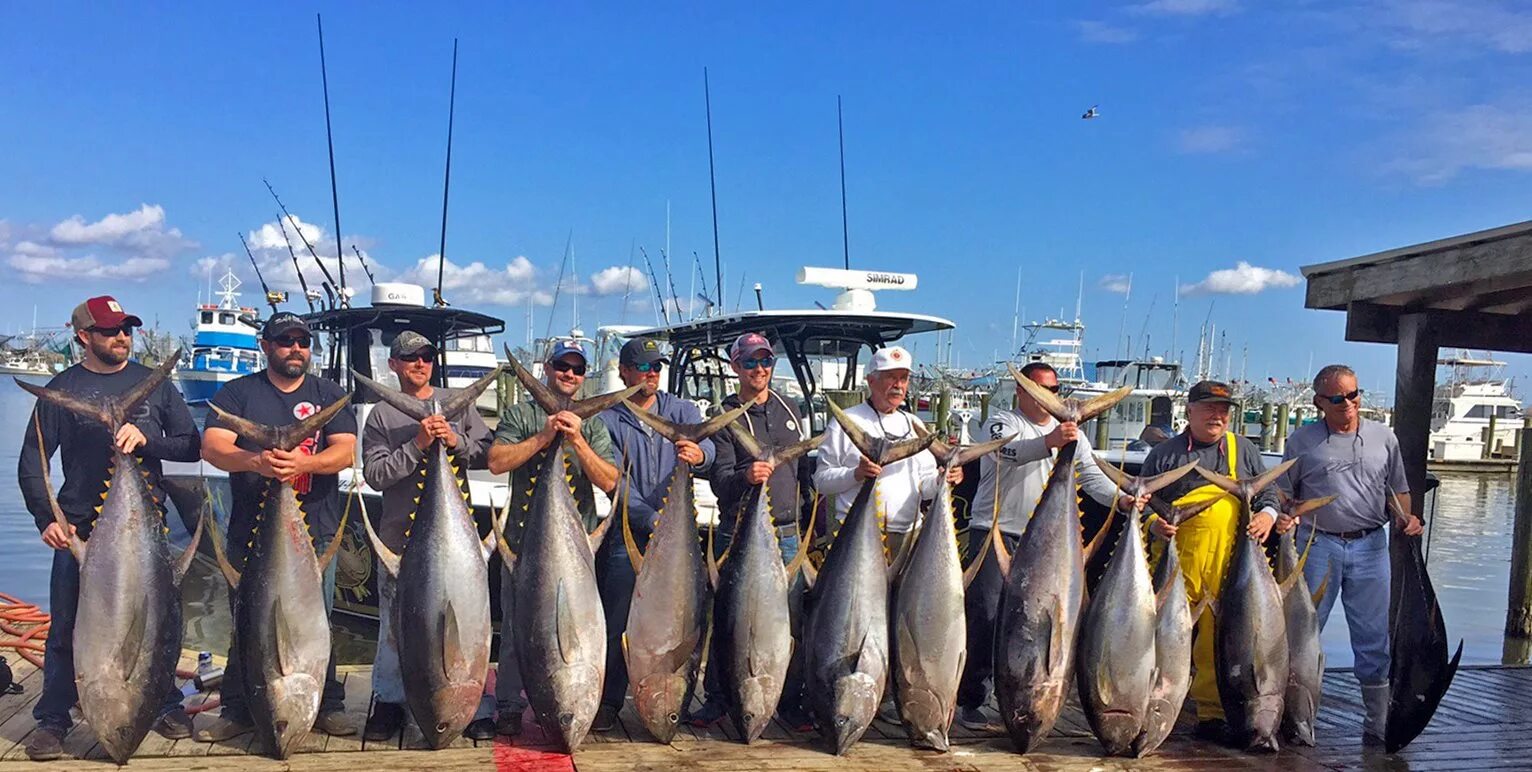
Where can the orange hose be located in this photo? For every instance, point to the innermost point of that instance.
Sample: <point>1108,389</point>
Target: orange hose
<point>28,624</point>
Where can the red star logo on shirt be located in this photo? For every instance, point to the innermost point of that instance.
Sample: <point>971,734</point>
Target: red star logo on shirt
<point>303,410</point>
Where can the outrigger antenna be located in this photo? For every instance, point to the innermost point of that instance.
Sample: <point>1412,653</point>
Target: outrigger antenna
<point>340,254</point>
<point>712,180</point>
<point>302,282</point>
<point>655,282</point>
<point>845,230</point>
<point>329,281</point>
<point>363,262</point>
<point>441,252</point>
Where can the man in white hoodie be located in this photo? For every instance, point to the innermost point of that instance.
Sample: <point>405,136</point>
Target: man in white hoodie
<point>901,485</point>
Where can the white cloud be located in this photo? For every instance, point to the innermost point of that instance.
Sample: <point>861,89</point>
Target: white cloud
<point>619,280</point>
<point>36,269</point>
<point>1186,7</point>
<point>216,264</point>
<point>1413,24</point>
<point>1203,140</point>
<point>1481,136</point>
<point>477,283</point>
<point>1102,32</point>
<point>1242,279</point>
<point>34,249</point>
<point>142,231</point>
<point>1119,283</point>
<point>131,246</point>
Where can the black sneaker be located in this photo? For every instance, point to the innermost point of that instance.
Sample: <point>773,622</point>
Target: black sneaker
<point>480,729</point>
<point>384,723</point>
<point>45,744</point>
<point>509,722</point>
<point>606,719</point>
<point>1214,729</point>
<point>174,725</point>
<point>709,714</point>
<point>974,719</point>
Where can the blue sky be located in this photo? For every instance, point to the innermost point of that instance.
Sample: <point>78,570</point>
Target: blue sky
<point>1277,135</point>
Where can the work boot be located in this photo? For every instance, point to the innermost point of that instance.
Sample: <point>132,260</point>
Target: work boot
<point>974,719</point>
<point>335,723</point>
<point>480,729</point>
<point>174,724</point>
<point>509,722</point>
<point>45,743</point>
<point>1375,719</point>
<point>225,728</point>
<point>385,721</point>
<point>606,719</point>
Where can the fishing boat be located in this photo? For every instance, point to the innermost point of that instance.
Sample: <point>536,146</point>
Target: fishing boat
<point>1476,391</point>
<point>223,345</point>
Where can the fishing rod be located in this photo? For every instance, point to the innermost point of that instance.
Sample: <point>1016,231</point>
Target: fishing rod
<point>712,180</point>
<point>363,262</point>
<point>441,252</point>
<point>627,282</point>
<point>655,282</point>
<point>558,285</point>
<point>329,281</point>
<point>845,230</point>
<point>340,253</point>
<point>272,298</point>
<point>670,278</point>
<point>302,283</point>
<point>706,299</point>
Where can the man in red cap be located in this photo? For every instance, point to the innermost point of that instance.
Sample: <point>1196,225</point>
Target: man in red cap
<point>161,430</point>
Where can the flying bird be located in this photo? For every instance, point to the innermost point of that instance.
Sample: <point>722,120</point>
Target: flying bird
<point>1091,113</point>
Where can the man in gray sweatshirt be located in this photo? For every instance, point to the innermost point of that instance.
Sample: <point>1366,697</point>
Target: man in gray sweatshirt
<point>393,448</point>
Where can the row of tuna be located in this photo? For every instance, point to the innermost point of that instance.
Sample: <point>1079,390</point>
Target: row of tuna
<point>869,625</point>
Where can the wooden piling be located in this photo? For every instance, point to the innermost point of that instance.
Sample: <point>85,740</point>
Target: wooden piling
<point>1518,615</point>
<point>1268,431</point>
<point>1280,443</point>
<point>1489,439</point>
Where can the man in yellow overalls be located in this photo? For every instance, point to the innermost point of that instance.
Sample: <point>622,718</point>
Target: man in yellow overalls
<point>1205,542</point>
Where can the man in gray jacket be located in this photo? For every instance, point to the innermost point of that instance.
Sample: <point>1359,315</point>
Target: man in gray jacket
<point>393,448</point>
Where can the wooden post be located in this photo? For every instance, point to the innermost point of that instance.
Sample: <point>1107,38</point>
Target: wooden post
<point>1268,431</point>
<point>1103,429</point>
<point>1489,437</point>
<point>1518,614</point>
<point>1280,443</point>
<point>1414,387</point>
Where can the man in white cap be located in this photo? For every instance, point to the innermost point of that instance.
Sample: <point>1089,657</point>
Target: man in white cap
<point>901,485</point>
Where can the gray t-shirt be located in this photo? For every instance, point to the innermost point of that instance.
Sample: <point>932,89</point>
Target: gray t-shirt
<point>1359,468</point>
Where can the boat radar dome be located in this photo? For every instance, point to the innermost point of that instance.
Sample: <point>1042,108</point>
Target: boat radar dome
<point>856,286</point>
<point>398,294</point>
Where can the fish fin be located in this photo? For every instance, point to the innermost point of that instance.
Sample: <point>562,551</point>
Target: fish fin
<point>590,406</point>
<point>76,544</point>
<point>1208,603</point>
<point>1159,481</point>
<point>909,651</point>
<point>1100,537</point>
<point>1044,398</point>
<point>465,398</point>
<point>340,531</point>
<point>112,411</point>
<point>497,525</point>
<point>282,636</point>
<point>1301,508</point>
<point>1002,554</point>
<point>230,575</point>
<point>281,437</point>
<point>1291,580</point>
<point>410,406</point>
<point>453,661</point>
<point>386,556</point>
<point>1183,514</point>
<point>1057,647</point>
<point>800,561</point>
<point>599,535</point>
<point>968,453</point>
<point>675,431</point>
<point>904,449</point>
<point>747,441</point>
<point>854,433</point>
<point>1095,406</point>
<point>972,571</point>
<point>1163,593</point>
<point>635,557</point>
<point>565,629</point>
<point>544,397</point>
<point>78,405</point>
<point>183,563</point>
<point>906,548</point>
<point>810,573</point>
<point>487,544</point>
<point>1227,484</point>
<point>1319,594</point>
<point>1270,476</point>
<point>712,562</point>
<point>1118,477</point>
<point>129,648</point>
<point>795,450</point>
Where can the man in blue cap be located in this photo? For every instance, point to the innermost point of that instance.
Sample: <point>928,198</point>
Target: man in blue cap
<point>521,445</point>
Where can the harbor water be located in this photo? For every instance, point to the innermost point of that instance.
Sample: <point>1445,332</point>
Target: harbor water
<point>1469,561</point>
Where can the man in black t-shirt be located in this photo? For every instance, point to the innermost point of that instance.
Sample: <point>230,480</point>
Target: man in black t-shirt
<point>282,394</point>
<point>161,429</point>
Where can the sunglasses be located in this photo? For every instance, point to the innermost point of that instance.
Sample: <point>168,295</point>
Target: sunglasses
<point>416,357</point>
<point>287,342</point>
<point>565,367</point>
<point>1338,399</point>
<point>112,332</point>
<point>751,364</point>
<point>648,367</point>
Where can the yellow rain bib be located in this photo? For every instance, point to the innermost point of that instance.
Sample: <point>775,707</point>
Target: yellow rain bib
<point>1205,543</point>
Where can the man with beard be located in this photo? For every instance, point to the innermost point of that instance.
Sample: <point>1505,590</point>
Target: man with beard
<point>521,446</point>
<point>282,394</point>
<point>650,462</point>
<point>160,430</point>
<point>1205,543</point>
<point>393,449</point>
<point>775,423</point>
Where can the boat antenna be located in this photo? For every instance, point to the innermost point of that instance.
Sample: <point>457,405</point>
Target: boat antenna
<point>363,261</point>
<point>1015,314</point>
<point>558,285</point>
<point>272,298</point>
<point>441,251</point>
<point>1122,326</point>
<point>329,281</point>
<point>739,296</point>
<point>340,253</point>
<point>302,283</point>
<point>845,230</point>
<point>670,278</point>
<point>712,180</point>
<point>655,282</point>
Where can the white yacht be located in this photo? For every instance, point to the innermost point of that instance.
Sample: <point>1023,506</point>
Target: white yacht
<point>1476,389</point>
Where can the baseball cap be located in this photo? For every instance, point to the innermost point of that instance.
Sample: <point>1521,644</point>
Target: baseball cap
<point>283,322</point>
<point>641,351</point>
<point>562,347</point>
<point>409,342</point>
<point>1211,391</point>
<point>102,311</point>
<point>747,344</point>
<point>891,358</point>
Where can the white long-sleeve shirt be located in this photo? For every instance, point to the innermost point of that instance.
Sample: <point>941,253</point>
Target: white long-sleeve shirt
<point>1022,467</point>
<point>902,484</point>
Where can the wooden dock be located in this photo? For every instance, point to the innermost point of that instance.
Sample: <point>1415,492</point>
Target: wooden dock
<point>1484,723</point>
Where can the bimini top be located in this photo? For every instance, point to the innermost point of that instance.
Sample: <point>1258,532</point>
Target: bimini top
<point>821,332</point>
<point>432,322</point>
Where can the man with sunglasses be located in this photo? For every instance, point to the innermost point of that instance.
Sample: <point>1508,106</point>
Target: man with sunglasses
<point>1011,481</point>
<point>775,423</point>
<point>1359,463</point>
<point>650,460</point>
<point>393,449</point>
<point>521,445</point>
<point>283,393</point>
<point>160,430</point>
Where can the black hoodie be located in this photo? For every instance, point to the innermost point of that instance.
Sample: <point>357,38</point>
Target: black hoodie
<point>775,424</point>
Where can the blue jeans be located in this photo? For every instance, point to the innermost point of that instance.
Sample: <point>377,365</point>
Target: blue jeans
<point>59,693</point>
<point>387,679</point>
<point>1359,571</point>
<point>233,690</point>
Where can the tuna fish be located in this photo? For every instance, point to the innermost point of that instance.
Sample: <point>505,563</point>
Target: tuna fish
<point>1118,668</point>
<point>1250,632</point>
<point>279,603</point>
<point>441,605</point>
<point>1419,671</point>
<point>1173,624</point>
<point>929,638</point>
<point>846,631</point>
<point>129,636</point>
<point>667,621</point>
<point>1305,657</point>
<point>1044,590</point>
<point>752,641</point>
<point>556,613</point>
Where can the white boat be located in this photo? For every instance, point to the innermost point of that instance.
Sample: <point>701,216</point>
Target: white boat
<point>1461,409</point>
<point>1158,398</point>
<point>24,363</point>
<point>223,345</point>
<point>467,359</point>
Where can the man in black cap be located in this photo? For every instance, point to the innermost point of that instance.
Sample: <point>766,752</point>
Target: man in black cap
<point>1206,542</point>
<point>161,430</point>
<point>283,393</point>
